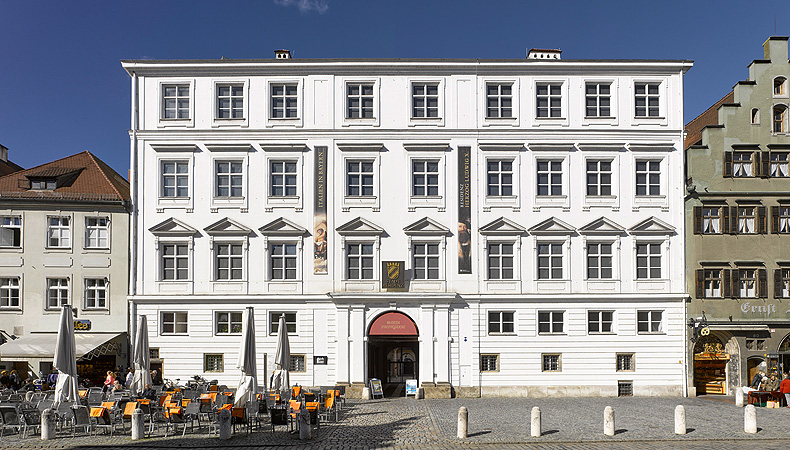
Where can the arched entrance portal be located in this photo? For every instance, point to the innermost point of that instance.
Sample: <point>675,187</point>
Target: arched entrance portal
<point>393,352</point>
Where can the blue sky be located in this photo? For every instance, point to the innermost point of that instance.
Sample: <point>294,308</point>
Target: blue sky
<point>62,88</point>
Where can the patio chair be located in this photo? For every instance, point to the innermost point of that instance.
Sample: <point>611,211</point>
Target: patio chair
<point>279,416</point>
<point>82,419</point>
<point>103,419</point>
<point>314,408</point>
<point>128,410</point>
<point>175,418</point>
<point>29,417</point>
<point>329,408</point>
<point>44,404</point>
<point>65,414</point>
<point>192,414</point>
<point>148,413</point>
<point>95,398</point>
<point>10,419</point>
<point>294,407</point>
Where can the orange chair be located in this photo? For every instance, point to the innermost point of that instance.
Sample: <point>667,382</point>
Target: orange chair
<point>295,391</point>
<point>329,407</point>
<point>294,406</point>
<point>314,408</point>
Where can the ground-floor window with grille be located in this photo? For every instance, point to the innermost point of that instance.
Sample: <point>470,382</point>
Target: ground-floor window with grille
<point>625,362</point>
<point>552,362</point>
<point>297,363</point>
<point>213,363</point>
<point>489,363</point>
<point>625,388</point>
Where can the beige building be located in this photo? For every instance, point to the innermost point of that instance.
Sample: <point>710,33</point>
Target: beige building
<point>64,239</point>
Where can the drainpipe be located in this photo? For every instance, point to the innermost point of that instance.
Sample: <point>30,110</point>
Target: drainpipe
<point>133,211</point>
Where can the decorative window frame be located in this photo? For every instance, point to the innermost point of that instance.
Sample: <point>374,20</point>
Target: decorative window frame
<point>663,100</point>
<point>162,122</point>
<point>173,231</point>
<point>502,231</point>
<point>658,153</point>
<point>426,121</point>
<point>270,329</point>
<point>432,233</point>
<point>564,119</point>
<point>215,321</point>
<point>228,231</point>
<point>178,153</point>
<point>283,231</point>
<point>16,309</point>
<point>96,309</point>
<point>343,105</point>
<point>614,329</point>
<point>550,152</point>
<point>664,247</point>
<point>285,122</point>
<point>231,153</point>
<point>284,152</point>
<point>85,248</point>
<point>162,323</point>
<point>21,216</point>
<point>59,249</point>
<point>217,122</point>
<point>614,103</point>
<point>361,152</point>
<point>662,324</point>
<point>365,233</point>
<point>486,121</point>
<point>602,152</point>
<point>500,312</point>
<point>70,300</point>
<point>614,240</point>
<point>427,152</point>
<point>509,151</point>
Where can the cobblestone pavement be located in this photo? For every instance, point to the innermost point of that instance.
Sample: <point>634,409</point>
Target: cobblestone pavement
<point>568,423</point>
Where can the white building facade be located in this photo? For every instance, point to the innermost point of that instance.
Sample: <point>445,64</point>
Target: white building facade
<point>486,227</point>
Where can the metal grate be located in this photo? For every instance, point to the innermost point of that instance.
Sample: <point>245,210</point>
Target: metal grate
<point>625,389</point>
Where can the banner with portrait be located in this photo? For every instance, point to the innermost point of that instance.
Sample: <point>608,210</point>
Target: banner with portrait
<point>320,238</point>
<point>464,210</point>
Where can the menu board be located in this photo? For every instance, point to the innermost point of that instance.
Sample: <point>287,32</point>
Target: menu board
<point>375,388</point>
<point>411,387</point>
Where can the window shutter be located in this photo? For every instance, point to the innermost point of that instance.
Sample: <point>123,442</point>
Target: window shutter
<point>726,283</point>
<point>762,286</point>
<point>777,283</point>
<point>727,164</point>
<point>775,219</point>
<point>700,283</point>
<point>725,219</point>
<point>698,220</point>
<point>765,165</point>
<point>762,226</point>
<point>757,167</point>
<point>734,219</point>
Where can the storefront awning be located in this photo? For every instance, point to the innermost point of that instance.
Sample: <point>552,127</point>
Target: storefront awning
<point>738,327</point>
<point>89,346</point>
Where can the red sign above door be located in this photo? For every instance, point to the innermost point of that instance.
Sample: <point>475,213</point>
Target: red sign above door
<point>393,324</point>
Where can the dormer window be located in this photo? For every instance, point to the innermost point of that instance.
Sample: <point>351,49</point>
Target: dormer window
<point>43,184</point>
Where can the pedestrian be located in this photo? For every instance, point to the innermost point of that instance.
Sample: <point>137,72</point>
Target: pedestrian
<point>52,378</point>
<point>784,388</point>
<point>16,382</point>
<point>5,380</point>
<point>129,377</point>
<point>757,380</point>
<point>28,386</point>
<point>109,381</point>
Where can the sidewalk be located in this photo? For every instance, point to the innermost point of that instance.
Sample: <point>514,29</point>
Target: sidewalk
<point>568,423</point>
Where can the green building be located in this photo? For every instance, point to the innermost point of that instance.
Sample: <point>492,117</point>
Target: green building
<point>738,229</point>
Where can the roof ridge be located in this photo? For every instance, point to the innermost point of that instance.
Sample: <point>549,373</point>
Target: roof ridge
<point>104,174</point>
<point>43,164</point>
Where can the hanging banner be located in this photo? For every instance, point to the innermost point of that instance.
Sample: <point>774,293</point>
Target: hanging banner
<point>464,210</point>
<point>320,244</point>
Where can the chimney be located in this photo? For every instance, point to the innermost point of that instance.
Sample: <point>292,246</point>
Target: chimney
<point>775,49</point>
<point>542,53</point>
<point>282,54</point>
<point>3,153</point>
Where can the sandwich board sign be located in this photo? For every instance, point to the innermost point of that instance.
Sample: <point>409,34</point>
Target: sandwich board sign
<point>375,388</point>
<point>411,388</point>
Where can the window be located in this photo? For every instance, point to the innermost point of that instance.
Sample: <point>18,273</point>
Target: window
<point>489,362</point>
<point>779,86</point>
<point>711,220</point>
<point>625,389</point>
<point>174,323</point>
<point>599,261</point>
<point>426,261</point>
<point>283,260</point>
<point>625,362</point>
<point>500,261</point>
<point>648,261</point>
<point>43,184</point>
<point>550,321</point>
<point>550,261</point>
<point>359,262</point>
<point>552,362</point>
<point>755,116</point>
<point>599,321</point>
<point>57,292</point>
<point>599,178</point>
<point>10,232</point>
<point>359,178</point>
<point>283,179</point>
<point>228,322</point>
<point>297,363</point>
<point>746,220</point>
<point>153,353</point>
<point>424,178</point>
<point>97,232</point>
<point>290,322</point>
<point>782,283</point>
<point>500,322</point>
<point>229,262</point>
<point>59,232</point>
<point>9,293</point>
<point>96,293</point>
<point>742,164</point>
<point>175,101</point>
<point>499,100</point>
<point>499,175</point>
<point>359,101</point>
<point>780,119</point>
<point>781,219</point>
<point>548,99</point>
<point>779,165</point>
<point>175,179</point>
<point>648,177</point>
<point>213,362</point>
<point>597,99</point>
<point>230,101</point>
<point>285,101</point>
<point>648,321</point>
<point>424,100</point>
<point>646,100</point>
<point>229,179</point>
<point>175,262</point>
<point>747,283</point>
<point>712,279</point>
<point>549,177</point>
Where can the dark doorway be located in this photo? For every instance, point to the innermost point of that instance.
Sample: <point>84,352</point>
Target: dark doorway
<point>393,361</point>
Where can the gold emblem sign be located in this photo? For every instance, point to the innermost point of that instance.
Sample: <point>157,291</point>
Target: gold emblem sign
<point>393,270</point>
<point>394,278</point>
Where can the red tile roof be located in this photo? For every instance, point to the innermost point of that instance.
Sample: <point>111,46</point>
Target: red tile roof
<point>7,167</point>
<point>709,117</point>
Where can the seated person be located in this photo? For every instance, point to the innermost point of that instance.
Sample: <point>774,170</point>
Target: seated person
<point>772,384</point>
<point>148,393</point>
<point>28,386</point>
<point>117,386</point>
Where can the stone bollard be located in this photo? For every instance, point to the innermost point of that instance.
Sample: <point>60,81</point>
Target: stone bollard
<point>680,420</point>
<point>138,425</point>
<point>463,422</point>
<point>608,421</point>
<point>305,431</point>
<point>739,396</point>
<point>365,393</point>
<point>750,419</point>
<point>47,424</point>
<point>420,393</point>
<point>535,428</point>
<point>224,425</point>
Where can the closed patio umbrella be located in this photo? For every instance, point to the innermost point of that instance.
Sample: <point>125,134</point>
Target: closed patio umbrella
<point>65,360</point>
<point>141,358</point>
<point>280,379</point>
<point>248,385</point>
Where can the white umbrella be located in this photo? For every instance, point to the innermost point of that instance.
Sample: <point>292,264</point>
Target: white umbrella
<point>65,360</point>
<point>280,379</point>
<point>141,358</point>
<point>248,385</point>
